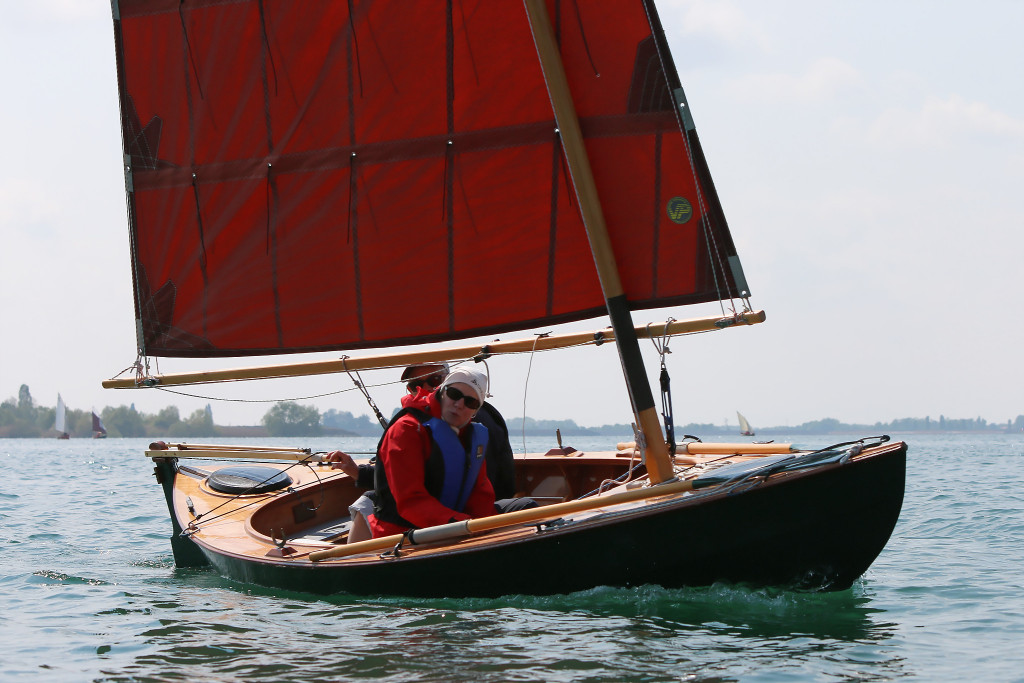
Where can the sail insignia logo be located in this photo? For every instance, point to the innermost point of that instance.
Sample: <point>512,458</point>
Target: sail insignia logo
<point>679,210</point>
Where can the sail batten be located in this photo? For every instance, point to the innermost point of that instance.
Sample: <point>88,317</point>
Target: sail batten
<point>388,178</point>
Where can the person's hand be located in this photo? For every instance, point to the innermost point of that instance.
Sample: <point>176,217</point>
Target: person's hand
<point>344,462</point>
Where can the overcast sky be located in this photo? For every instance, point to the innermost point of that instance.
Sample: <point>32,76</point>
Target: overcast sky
<point>869,156</point>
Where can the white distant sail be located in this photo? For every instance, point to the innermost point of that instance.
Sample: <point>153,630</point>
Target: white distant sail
<point>745,429</point>
<point>60,424</point>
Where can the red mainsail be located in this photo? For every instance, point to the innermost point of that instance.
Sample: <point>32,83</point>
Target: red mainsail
<point>336,175</point>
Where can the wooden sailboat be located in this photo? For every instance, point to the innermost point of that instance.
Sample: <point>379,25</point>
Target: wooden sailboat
<point>372,175</point>
<point>60,419</point>
<point>745,428</point>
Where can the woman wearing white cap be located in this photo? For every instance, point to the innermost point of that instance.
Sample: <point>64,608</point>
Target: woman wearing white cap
<point>501,468</point>
<point>431,462</point>
<point>500,462</point>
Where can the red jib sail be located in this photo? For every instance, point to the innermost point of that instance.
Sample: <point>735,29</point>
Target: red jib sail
<point>325,175</point>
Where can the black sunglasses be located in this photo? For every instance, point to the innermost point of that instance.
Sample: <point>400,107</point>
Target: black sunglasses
<point>433,381</point>
<point>454,394</point>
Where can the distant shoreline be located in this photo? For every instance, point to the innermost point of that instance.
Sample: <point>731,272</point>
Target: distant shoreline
<point>24,418</point>
<point>621,432</point>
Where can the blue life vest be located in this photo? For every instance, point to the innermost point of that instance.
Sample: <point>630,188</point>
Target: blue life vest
<point>450,472</point>
<point>460,467</point>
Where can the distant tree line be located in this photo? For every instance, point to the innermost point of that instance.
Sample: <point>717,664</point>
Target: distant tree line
<point>825,426</point>
<point>905,424</point>
<point>362,425</point>
<point>535,427</point>
<point>22,417</point>
<point>291,419</point>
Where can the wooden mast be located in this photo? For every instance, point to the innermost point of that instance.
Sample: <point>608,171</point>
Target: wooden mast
<point>659,465</point>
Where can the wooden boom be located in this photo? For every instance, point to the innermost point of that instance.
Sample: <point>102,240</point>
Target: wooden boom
<point>308,368</point>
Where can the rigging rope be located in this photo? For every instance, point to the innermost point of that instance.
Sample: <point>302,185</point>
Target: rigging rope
<point>251,400</point>
<point>666,385</point>
<point>366,394</point>
<point>193,526</point>
<point>526,382</point>
<point>714,254</point>
<point>144,376</point>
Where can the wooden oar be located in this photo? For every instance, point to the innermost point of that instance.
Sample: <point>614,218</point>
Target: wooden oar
<point>471,526</point>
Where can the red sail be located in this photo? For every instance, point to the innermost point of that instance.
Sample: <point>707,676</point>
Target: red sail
<point>326,175</point>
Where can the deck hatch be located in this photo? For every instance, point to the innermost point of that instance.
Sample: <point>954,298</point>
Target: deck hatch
<point>248,480</point>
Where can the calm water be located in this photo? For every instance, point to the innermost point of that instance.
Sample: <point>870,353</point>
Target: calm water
<point>90,592</point>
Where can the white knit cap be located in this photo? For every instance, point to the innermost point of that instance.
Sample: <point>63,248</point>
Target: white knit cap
<point>474,378</point>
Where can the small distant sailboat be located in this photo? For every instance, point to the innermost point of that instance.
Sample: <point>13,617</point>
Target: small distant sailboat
<point>60,422</point>
<point>98,430</point>
<point>745,428</point>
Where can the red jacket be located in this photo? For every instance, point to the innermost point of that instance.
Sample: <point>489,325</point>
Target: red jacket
<point>404,453</point>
